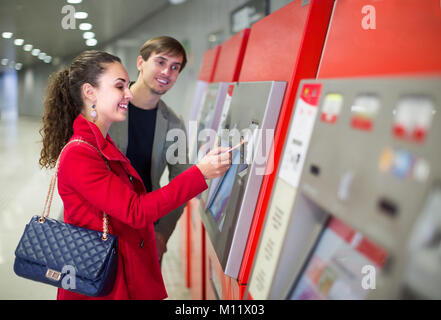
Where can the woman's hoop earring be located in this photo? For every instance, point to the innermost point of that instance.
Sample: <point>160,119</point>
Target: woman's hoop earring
<point>93,113</point>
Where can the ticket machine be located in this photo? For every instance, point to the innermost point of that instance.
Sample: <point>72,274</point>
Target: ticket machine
<point>403,42</point>
<point>294,54</point>
<point>207,117</point>
<point>212,112</point>
<point>228,205</point>
<point>364,212</point>
<point>208,67</point>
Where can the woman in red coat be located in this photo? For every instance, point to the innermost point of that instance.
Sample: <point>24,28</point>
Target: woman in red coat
<point>82,102</point>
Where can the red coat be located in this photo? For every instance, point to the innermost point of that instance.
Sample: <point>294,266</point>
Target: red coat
<point>88,188</point>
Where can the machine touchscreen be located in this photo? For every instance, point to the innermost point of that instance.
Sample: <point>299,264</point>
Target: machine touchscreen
<point>223,192</point>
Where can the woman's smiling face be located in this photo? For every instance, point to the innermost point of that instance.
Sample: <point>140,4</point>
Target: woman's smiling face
<point>112,94</point>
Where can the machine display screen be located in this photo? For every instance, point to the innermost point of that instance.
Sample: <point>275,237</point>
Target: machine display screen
<point>224,187</point>
<point>344,265</point>
<point>221,188</point>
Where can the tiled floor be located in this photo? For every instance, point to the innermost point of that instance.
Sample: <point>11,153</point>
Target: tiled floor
<point>23,188</point>
<point>172,271</point>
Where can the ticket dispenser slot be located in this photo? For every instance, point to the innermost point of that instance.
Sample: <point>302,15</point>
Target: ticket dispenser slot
<point>229,203</point>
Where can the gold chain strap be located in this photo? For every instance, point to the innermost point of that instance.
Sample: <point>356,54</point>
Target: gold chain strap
<point>50,194</point>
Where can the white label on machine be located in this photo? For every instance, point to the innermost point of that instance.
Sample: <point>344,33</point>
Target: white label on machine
<point>271,243</point>
<point>298,138</point>
<point>226,108</point>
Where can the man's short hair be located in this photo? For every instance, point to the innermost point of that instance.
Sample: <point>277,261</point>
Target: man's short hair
<point>164,44</point>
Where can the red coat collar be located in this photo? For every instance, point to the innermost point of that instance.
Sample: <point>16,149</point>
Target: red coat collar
<point>89,132</point>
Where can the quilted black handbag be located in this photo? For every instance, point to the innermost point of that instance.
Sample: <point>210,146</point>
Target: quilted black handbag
<point>67,256</point>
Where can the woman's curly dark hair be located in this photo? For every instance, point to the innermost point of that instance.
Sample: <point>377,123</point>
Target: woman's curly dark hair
<point>64,102</point>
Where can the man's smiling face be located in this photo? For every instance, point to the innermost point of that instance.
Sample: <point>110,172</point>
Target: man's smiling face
<point>160,71</point>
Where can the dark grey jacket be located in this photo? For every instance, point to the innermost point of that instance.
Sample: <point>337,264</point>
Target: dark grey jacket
<point>166,120</point>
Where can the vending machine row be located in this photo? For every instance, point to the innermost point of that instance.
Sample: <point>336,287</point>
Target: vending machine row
<point>356,208</point>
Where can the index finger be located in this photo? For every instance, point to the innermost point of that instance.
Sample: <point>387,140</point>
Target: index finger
<point>218,150</point>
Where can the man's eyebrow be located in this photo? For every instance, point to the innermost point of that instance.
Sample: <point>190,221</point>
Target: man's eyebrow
<point>165,59</point>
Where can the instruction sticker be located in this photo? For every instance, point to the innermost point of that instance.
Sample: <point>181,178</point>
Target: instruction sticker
<point>300,134</point>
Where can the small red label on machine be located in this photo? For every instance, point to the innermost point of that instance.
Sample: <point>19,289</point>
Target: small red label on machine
<point>413,118</point>
<point>331,108</point>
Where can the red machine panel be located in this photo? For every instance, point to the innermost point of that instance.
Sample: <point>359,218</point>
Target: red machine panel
<point>209,62</point>
<point>217,284</point>
<point>184,248</point>
<point>197,252</point>
<point>368,37</point>
<point>231,57</point>
<point>290,56</point>
<point>274,45</point>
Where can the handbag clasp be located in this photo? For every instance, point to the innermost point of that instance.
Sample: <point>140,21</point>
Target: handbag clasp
<point>53,275</point>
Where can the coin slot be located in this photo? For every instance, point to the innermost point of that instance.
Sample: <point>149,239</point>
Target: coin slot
<point>388,207</point>
<point>315,170</point>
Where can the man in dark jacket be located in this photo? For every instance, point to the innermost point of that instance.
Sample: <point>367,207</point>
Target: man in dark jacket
<point>143,136</point>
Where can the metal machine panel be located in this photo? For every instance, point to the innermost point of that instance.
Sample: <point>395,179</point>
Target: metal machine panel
<point>363,173</point>
<point>208,117</point>
<point>254,108</point>
<point>377,177</point>
<point>373,170</point>
<point>206,74</point>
